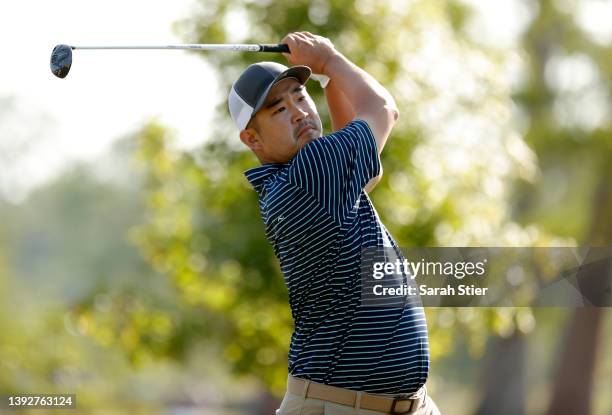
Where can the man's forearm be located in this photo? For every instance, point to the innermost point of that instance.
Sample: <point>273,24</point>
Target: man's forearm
<point>340,108</point>
<point>341,113</point>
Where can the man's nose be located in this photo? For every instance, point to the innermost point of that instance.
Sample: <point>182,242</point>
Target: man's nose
<point>299,114</point>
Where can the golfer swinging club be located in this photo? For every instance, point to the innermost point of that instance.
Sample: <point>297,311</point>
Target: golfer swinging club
<point>344,358</point>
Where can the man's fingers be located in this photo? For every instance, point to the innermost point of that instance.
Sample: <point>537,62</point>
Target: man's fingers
<point>289,40</point>
<point>301,35</point>
<point>306,49</point>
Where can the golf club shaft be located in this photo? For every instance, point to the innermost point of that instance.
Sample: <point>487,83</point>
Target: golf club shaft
<point>226,47</point>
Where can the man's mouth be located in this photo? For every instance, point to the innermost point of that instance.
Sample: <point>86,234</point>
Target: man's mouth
<point>303,130</point>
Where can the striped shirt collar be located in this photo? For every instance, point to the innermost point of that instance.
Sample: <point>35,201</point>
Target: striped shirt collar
<point>257,175</point>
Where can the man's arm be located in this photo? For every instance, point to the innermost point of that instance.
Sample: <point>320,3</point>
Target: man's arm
<point>341,113</point>
<point>340,109</point>
<point>370,101</point>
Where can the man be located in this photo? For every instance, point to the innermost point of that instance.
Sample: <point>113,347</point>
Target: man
<point>344,357</point>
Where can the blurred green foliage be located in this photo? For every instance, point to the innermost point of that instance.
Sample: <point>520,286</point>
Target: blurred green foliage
<point>566,104</point>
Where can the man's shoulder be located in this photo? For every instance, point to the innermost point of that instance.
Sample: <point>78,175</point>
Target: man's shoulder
<point>355,128</point>
<point>338,140</point>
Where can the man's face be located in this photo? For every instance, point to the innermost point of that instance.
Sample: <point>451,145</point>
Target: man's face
<point>286,122</point>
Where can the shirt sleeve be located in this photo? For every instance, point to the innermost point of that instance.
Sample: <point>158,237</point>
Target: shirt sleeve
<point>335,168</point>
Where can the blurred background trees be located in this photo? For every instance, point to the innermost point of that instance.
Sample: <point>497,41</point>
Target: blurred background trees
<point>147,277</point>
<point>566,103</point>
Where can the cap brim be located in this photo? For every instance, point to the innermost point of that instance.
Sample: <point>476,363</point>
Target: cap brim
<point>300,73</point>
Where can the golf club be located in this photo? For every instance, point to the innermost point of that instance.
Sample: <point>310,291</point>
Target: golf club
<point>61,57</point>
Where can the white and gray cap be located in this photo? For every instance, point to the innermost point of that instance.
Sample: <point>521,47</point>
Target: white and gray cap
<point>249,92</point>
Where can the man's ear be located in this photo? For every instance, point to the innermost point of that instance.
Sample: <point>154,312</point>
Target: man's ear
<point>251,139</point>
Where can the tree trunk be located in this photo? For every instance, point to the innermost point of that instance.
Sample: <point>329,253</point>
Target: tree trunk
<point>504,379</point>
<point>572,391</point>
<point>574,383</point>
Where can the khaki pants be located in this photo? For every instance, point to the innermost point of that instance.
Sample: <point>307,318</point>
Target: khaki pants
<point>297,405</point>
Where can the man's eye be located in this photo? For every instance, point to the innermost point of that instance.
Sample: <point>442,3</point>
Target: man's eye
<point>302,98</point>
<point>280,109</point>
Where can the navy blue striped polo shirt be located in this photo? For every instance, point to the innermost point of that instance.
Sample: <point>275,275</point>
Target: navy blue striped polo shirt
<point>318,219</point>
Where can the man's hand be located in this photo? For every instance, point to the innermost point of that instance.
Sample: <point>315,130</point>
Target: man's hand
<point>307,49</point>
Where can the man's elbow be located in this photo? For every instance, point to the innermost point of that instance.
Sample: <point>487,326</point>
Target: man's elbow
<point>381,116</point>
<point>392,111</point>
<point>386,117</point>
<point>395,113</point>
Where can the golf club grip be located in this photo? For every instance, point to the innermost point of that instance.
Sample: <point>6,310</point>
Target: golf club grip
<point>282,48</point>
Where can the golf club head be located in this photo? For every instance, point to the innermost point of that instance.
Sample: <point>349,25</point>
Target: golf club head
<point>61,60</point>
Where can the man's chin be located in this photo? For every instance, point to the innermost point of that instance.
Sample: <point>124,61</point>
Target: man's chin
<point>309,136</point>
<point>303,141</point>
